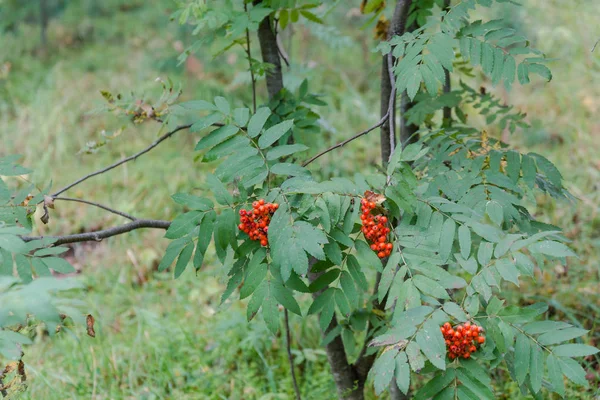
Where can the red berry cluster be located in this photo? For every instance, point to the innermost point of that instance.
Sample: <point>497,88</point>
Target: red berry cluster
<point>462,340</point>
<point>375,229</point>
<point>255,222</point>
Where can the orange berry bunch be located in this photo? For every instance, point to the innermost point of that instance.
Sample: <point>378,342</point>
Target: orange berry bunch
<point>375,229</point>
<point>255,222</point>
<point>462,340</point>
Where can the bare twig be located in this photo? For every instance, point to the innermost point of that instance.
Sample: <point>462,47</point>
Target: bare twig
<point>124,160</point>
<point>249,53</point>
<point>345,142</point>
<point>288,346</point>
<point>105,233</point>
<point>91,203</point>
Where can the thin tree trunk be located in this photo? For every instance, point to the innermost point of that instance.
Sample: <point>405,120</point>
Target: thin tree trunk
<point>270,54</point>
<point>44,23</point>
<point>350,386</point>
<point>397,28</point>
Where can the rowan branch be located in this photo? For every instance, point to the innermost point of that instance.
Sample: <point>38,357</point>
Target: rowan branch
<point>97,236</point>
<point>345,142</point>
<point>124,160</point>
<point>91,203</point>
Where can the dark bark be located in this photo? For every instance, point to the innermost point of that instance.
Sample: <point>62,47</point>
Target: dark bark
<point>43,23</point>
<point>349,384</point>
<point>388,134</point>
<point>270,54</point>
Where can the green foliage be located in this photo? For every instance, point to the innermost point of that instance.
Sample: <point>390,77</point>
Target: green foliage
<point>457,198</point>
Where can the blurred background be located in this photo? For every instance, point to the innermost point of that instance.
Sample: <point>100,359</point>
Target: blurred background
<point>160,338</point>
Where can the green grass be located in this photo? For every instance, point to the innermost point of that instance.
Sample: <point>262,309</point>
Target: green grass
<point>157,338</point>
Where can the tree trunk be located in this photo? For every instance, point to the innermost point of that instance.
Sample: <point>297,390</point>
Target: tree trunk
<point>43,23</point>
<point>270,54</point>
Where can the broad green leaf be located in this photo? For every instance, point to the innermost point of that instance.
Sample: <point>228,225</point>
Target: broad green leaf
<point>285,298</point>
<point>402,373</point>
<point>436,385</point>
<point>507,270</point>
<point>12,243</point>
<point>555,375</point>
<point>256,301</point>
<point>219,190</point>
<point>222,104</point>
<point>447,239</point>
<point>241,116</point>
<point>479,389</point>
<point>257,271</point>
<point>432,344</point>
<point>573,371</point>
<point>574,350</point>
<point>349,289</point>
<point>274,133</point>
<point>318,303</point>
<point>286,150</point>
<point>183,224</point>
<point>39,267</point>
<point>184,259</point>
<point>257,121</point>
<point>522,355</point>
<point>205,122</point>
<point>562,335</point>
<point>538,327</point>
<point>204,236</point>
<point>494,210</point>
<point>342,302</point>
<point>383,370</point>
<point>367,256</point>
<point>58,264</point>
<point>357,274</point>
<point>430,287</point>
<point>389,272</point>
<point>217,136</point>
<point>464,241</point>
<point>551,248</point>
<point>325,279</point>
<point>50,251</point>
<point>536,369</point>
<point>415,358</point>
<point>455,311</point>
<point>193,202</point>
<point>172,251</point>
<point>484,253</point>
<point>270,312</point>
<point>289,169</point>
<point>326,315</point>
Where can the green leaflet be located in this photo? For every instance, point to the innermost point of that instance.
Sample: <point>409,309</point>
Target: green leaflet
<point>274,133</point>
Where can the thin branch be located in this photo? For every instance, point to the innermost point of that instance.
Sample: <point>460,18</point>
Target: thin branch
<point>123,161</point>
<point>343,143</point>
<point>288,346</point>
<point>91,203</point>
<point>105,233</point>
<point>249,53</point>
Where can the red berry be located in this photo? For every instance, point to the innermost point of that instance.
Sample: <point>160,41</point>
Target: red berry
<point>381,254</point>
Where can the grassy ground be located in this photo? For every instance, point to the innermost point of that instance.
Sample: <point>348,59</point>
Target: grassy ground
<point>164,339</point>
